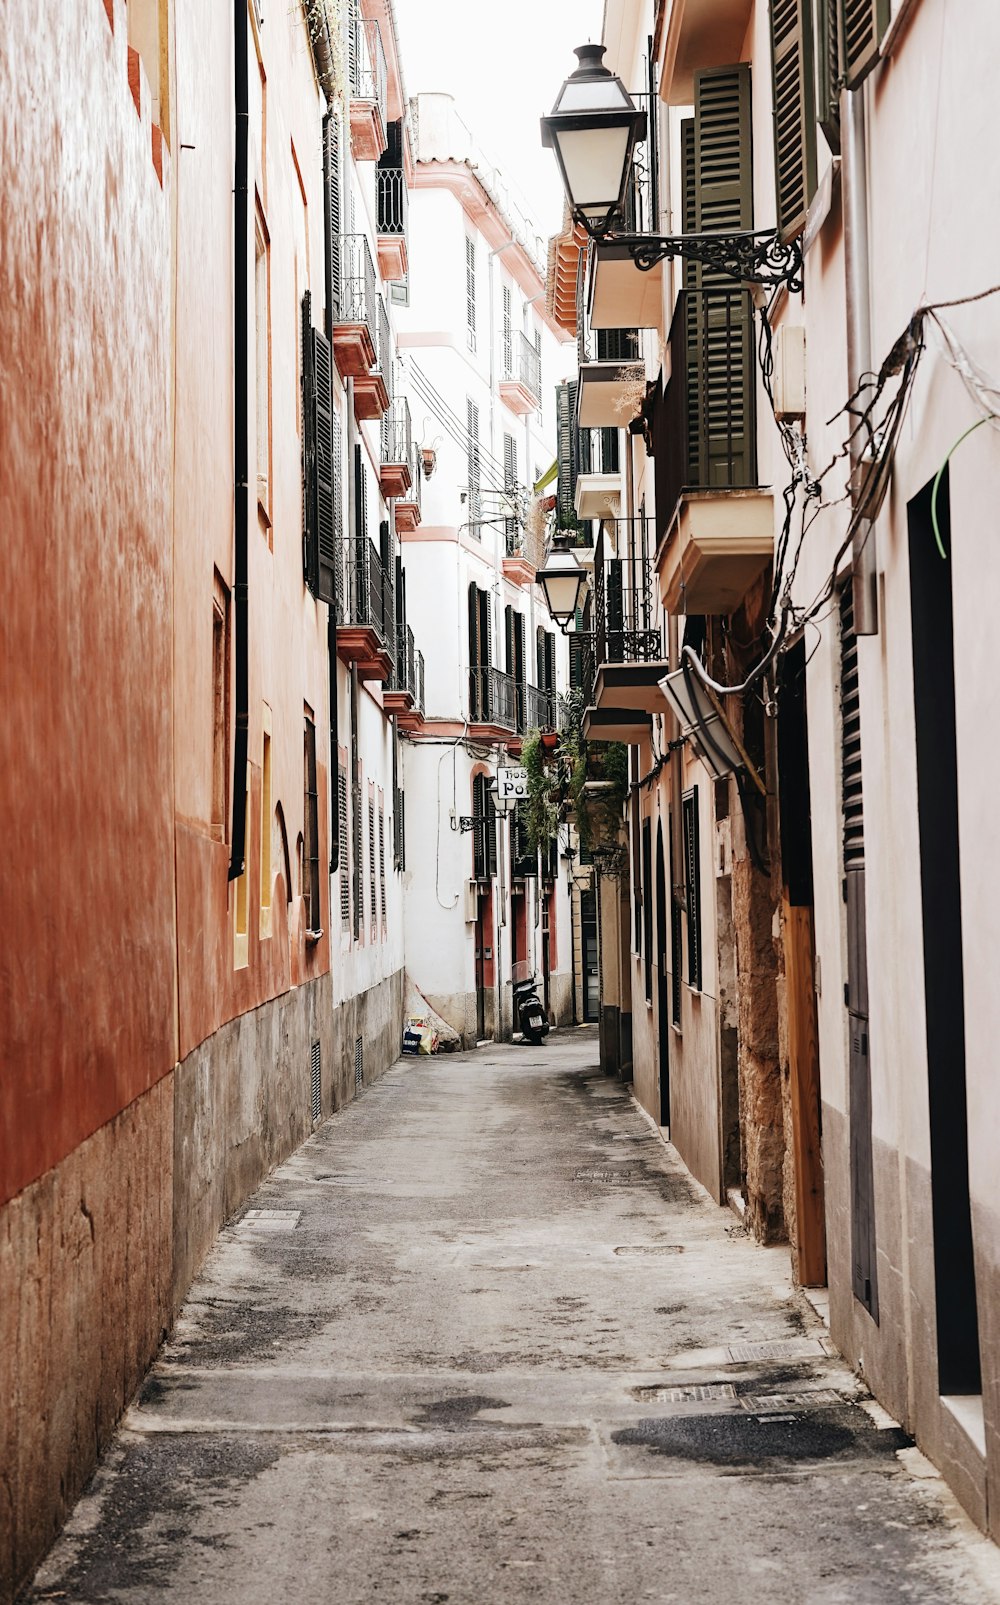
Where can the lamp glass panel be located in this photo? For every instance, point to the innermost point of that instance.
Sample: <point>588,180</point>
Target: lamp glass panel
<point>600,94</point>
<point>562,590</point>
<point>593,161</point>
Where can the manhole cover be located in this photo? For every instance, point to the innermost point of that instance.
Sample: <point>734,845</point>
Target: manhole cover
<point>609,1178</point>
<point>271,1220</point>
<point>691,1393</point>
<point>779,1349</point>
<point>649,1250</point>
<point>761,1404</point>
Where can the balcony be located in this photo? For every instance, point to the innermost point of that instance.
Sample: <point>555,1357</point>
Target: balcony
<point>496,702</point>
<point>598,490</point>
<point>611,386</point>
<point>521,385</point>
<point>404,695</point>
<point>700,33</point>
<point>716,526</point>
<point>627,651</point>
<point>355,319</point>
<point>373,390</point>
<point>541,711</point>
<point>366,71</point>
<point>619,295</point>
<point>367,635</point>
<point>393,199</point>
<point>396,472</point>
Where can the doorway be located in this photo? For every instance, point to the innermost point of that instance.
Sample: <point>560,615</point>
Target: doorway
<point>591,975</point>
<point>484,923</point>
<point>932,630</point>
<point>662,987</point>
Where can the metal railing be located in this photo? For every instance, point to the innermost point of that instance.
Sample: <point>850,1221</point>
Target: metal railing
<point>366,59</point>
<point>419,686</point>
<point>393,200</point>
<point>493,697</point>
<point>639,213</point>
<point>626,628</point>
<point>598,451</point>
<point>524,364</point>
<point>541,709</point>
<point>358,296</point>
<point>707,433</point>
<point>371,595</point>
<point>397,433</point>
<point>383,344</point>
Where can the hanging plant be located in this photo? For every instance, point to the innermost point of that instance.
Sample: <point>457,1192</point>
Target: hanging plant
<point>541,815</point>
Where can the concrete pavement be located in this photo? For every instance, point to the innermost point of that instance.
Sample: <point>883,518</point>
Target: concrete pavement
<point>482,1340</point>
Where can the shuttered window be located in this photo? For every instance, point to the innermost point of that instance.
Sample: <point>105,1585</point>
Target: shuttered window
<point>357,856</point>
<point>794,125</point>
<point>360,494</point>
<point>484,835</point>
<point>676,938</point>
<point>647,909</point>
<point>567,450</point>
<point>345,884</point>
<point>473,458</point>
<point>314,917</point>
<point>322,514</point>
<point>372,884</point>
<point>510,480</point>
<point>827,53</point>
<point>864,23</point>
<point>480,654</point>
<point>333,226</point>
<point>692,886</point>
<point>470,291</point>
<point>508,333</point>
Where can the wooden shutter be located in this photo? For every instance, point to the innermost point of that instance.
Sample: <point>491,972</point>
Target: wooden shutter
<point>470,290</point>
<point>326,471</point>
<point>864,22</point>
<point>794,125</point>
<point>692,884</point>
<point>520,677</point>
<point>647,908</point>
<point>310,548</point>
<point>360,495</point>
<point>472,450</point>
<point>345,884</point>
<point>720,367</point>
<point>474,650</point>
<point>311,832</point>
<point>828,58</point>
<point>550,663</point>
<point>676,937</point>
<point>332,217</point>
<point>508,331</point>
<point>508,631</point>
<point>566,449</point>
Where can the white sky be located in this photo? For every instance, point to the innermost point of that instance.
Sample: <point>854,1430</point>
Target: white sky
<point>503,61</point>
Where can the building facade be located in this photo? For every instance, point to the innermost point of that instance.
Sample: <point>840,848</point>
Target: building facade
<point>803,950</point>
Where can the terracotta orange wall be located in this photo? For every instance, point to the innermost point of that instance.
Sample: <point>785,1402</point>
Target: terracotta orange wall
<point>87,1018</point>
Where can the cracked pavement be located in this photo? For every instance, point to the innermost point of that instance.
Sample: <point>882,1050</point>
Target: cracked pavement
<point>482,1339</point>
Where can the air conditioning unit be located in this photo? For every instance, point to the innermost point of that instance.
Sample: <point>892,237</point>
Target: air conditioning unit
<point>789,379</point>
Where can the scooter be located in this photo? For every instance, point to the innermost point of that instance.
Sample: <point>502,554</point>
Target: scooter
<point>528,1006</point>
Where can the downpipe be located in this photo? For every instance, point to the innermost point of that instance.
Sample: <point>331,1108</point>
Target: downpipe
<point>241,723</point>
<point>857,270</point>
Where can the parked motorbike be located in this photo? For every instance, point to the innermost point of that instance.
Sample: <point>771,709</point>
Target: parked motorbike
<point>529,1011</point>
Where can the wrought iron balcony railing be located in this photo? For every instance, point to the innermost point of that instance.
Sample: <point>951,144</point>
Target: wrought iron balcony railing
<point>383,344</point>
<point>598,451</point>
<point>359,299</point>
<point>626,627</point>
<point>523,364</point>
<point>371,592</point>
<point>494,698</point>
<point>366,63</point>
<point>706,437</point>
<point>540,712</point>
<point>393,200</point>
<point>397,433</point>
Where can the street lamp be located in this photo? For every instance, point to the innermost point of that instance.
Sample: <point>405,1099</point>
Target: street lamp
<point>593,128</point>
<point>501,805</point>
<point>563,580</point>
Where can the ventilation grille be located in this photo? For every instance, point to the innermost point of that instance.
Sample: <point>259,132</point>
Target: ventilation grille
<point>315,1082</point>
<point>359,1064</point>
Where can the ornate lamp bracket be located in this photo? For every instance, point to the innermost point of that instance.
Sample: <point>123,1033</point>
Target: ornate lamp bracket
<point>753,258</point>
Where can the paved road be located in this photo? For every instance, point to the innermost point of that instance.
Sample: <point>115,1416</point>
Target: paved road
<point>493,1346</point>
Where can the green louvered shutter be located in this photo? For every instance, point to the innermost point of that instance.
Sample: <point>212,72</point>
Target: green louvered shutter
<point>794,125</point>
<point>721,412</point>
<point>327,472</point>
<point>310,541</point>
<point>331,221</point>
<point>864,22</point>
<point>828,56</point>
<point>566,449</point>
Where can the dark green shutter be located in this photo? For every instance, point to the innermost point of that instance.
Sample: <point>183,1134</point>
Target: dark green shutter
<point>332,222</point>
<point>692,886</point>
<point>326,471</point>
<point>474,697</point>
<point>864,23</point>
<point>566,437</point>
<point>720,359</point>
<point>794,125</point>
<point>828,56</point>
<point>550,664</point>
<point>310,543</point>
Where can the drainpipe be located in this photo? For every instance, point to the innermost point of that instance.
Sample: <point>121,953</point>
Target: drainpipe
<point>331,622</point>
<point>857,268</point>
<point>241,333</point>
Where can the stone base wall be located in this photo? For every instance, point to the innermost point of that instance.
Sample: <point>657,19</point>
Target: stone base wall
<point>97,1255</point>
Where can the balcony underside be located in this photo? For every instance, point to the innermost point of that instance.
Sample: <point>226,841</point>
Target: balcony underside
<point>609,394</point>
<point>394,479</point>
<point>497,735</point>
<point>371,396</point>
<point>361,644</point>
<point>412,719</point>
<point>701,33</point>
<point>718,544</point>
<point>598,495</point>
<point>392,257</point>
<point>621,296</point>
<point>353,350</point>
<point>617,724</point>
<point>629,688</point>
<point>407,517</point>
<point>519,570</point>
<point>398,701</point>
<point>517,397</point>
<point>368,141</point>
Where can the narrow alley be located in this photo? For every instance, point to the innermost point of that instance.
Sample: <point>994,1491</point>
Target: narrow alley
<point>482,1339</point>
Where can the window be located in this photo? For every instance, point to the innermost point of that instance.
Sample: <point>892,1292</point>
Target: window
<point>262,326</point>
<point>566,435</point>
<point>345,883</point>
<point>310,852</point>
<point>484,835</point>
<point>692,886</point>
<point>508,334</point>
<point>676,938</point>
<point>371,869</point>
<point>358,859</point>
<point>514,633</point>
<point>472,433</point>
<point>470,291</point>
<point>541,387</point>
<point>381,867</point>
<point>265,825</point>
<point>510,485</point>
<point>647,909</point>
<point>864,23</point>
<point>321,462</point>
<point>794,112</point>
<point>241,939</point>
<point>220,710</point>
<point>480,655</point>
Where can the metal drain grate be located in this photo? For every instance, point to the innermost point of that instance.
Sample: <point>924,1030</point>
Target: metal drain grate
<point>649,1250</point>
<point>270,1220</point>
<point>611,1178</point>
<point>762,1404</point>
<point>687,1393</point>
<point>315,1081</point>
<point>779,1349</point>
<point>359,1064</point>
